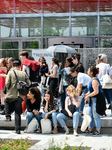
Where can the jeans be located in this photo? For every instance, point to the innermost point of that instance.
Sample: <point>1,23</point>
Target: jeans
<point>62,118</point>
<point>14,104</point>
<point>81,107</point>
<point>30,116</point>
<point>42,92</point>
<point>63,96</point>
<point>94,115</point>
<point>52,116</point>
<point>108,94</point>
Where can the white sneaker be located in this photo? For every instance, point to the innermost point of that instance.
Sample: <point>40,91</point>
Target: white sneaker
<point>66,130</point>
<point>75,133</point>
<point>25,130</point>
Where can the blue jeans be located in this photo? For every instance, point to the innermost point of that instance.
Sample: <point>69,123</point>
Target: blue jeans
<point>81,107</point>
<point>62,118</point>
<point>63,96</point>
<point>30,115</point>
<point>52,116</point>
<point>108,94</point>
<point>94,115</point>
<point>42,92</point>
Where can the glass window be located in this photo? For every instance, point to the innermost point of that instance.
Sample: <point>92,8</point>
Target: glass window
<point>6,27</point>
<point>28,27</point>
<point>84,26</point>
<point>56,26</point>
<point>106,25</point>
<point>106,42</point>
<point>30,44</point>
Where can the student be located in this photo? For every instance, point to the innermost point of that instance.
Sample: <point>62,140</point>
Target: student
<point>94,89</point>
<point>74,100</point>
<point>64,72</point>
<point>51,109</point>
<point>82,84</point>
<point>103,68</point>
<point>54,76</point>
<point>13,99</point>
<point>33,102</point>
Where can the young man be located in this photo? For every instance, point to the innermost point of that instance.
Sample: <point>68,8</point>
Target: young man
<point>13,101</point>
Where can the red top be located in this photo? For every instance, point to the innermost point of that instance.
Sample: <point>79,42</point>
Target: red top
<point>32,64</point>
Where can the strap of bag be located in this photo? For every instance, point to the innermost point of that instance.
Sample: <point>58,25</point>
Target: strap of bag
<point>16,76</point>
<point>71,100</point>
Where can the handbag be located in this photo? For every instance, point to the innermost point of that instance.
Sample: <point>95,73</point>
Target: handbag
<point>86,122</point>
<point>72,109</point>
<point>61,90</point>
<point>22,86</point>
<point>107,81</point>
<point>46,126</point>
<point>33,126</point>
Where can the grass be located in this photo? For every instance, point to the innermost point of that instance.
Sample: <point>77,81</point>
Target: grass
<point>19,144</point>
<point>53,146</point>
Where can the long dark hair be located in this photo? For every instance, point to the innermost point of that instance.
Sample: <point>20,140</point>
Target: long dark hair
<point>69,59</point>
<point>37,93</point>
<point>77,55</point>
<point>51,97</point>
<point>56,61</point>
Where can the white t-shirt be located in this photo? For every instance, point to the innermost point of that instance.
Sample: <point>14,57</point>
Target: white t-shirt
<point>55,67</point>
<point>27,69</point>
<point>83,79</point>
<point>103,67</point>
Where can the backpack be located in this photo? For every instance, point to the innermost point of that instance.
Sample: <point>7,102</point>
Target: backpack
<point>34,75</point>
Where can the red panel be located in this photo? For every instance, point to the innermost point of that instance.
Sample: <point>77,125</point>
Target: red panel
<point>6,7</point>
<point>53,6</point>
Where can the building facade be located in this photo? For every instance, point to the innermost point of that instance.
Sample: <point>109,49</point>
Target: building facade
<point>41,23</point>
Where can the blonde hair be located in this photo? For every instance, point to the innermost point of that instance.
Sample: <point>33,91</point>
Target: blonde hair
<point>72,90</point>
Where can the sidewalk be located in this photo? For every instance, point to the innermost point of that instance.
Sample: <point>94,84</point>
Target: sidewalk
<point>103,142</point>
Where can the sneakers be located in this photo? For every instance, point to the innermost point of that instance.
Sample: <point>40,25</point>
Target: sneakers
<point>66,130</point>
<point>88,132</point>
<point>55,131</point>
<point>75,133</point>
<point>25,130</point>
<point>96,133</point>
<point>7,119</point>
<point>18,132</point>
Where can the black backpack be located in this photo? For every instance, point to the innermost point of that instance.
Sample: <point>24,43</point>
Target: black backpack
<point>34,76</point>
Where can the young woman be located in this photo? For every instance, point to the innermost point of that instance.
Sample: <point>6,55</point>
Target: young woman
<point>51,109</point>
<point>33,102</point>
<point>3,70</point>
<point>73,100</point>
<point>64,72</point>
<point>77,63</point>
<point>53,81</point>
<point>94,89</point>
<point>103,68</point>
<point>43,69</point>
<point>82,84</point>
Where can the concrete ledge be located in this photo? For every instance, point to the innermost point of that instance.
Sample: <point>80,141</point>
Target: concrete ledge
<point>106,124</point>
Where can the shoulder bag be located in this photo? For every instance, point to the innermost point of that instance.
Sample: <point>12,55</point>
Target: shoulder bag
<point>46,126</point>
<point>72,109</point>
<point>107,81</point>
<point>22,86</point>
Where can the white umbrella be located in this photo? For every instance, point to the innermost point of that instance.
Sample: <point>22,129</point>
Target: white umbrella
<point>61,49</point>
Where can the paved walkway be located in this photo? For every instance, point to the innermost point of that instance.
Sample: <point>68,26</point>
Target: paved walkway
<point>103,142</point>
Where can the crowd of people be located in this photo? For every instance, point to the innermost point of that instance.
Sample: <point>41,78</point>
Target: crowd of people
<point>77,88</point>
